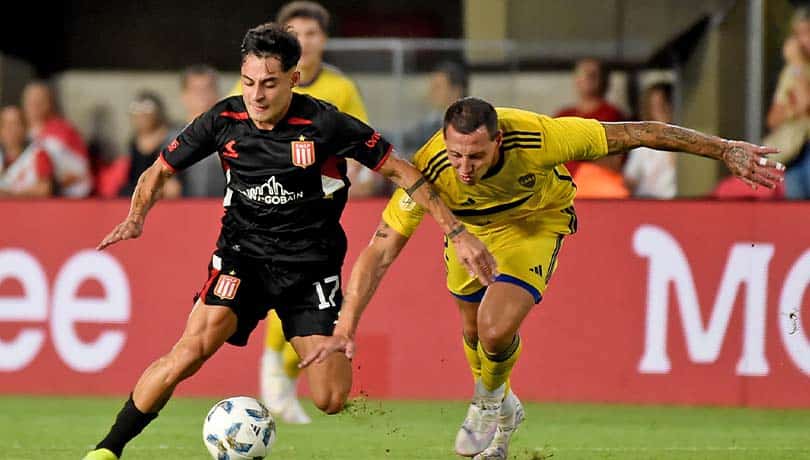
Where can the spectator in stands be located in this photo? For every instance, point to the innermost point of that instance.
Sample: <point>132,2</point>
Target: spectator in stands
<point>601,178</point>
<point>151,132</point>
<point>449,82</point>
<point>25,168</point>
<point>310,21</point>
<point>650,173</point>
<point>199,87</point>
<point>789,114</point>
<point>59,138</point>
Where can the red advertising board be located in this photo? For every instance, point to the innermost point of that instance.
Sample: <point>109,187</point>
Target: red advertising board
<point>653,302</point>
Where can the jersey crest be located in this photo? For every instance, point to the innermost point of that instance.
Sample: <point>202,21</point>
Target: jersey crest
<point>303,152</point>
<point>527,180</point>
<point>226,287</point>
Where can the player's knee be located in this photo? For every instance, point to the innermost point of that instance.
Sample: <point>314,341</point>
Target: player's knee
<point>494,338</point>
<point>331,402</point>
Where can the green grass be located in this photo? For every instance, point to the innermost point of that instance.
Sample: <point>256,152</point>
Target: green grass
<point>64,428</point>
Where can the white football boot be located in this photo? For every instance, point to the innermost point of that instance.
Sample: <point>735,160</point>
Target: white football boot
<point>511,417</point>
<point>478,429</point>
<point>278,391</point>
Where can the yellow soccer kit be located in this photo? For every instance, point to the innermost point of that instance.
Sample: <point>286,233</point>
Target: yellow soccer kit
<point>332,86</point>
<point>523,206</point>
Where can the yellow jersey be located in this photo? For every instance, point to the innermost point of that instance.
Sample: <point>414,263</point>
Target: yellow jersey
<point>332,86</point>
<point>529,180</point>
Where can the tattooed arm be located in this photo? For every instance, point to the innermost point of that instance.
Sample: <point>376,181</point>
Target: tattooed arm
<point>146,193</point>
<point>746,161</point>
<point>470,251</point>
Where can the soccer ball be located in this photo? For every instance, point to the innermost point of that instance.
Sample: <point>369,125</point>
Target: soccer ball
<point>239,428</point>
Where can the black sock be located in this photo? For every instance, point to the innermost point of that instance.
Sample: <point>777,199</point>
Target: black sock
<point>128,424</point>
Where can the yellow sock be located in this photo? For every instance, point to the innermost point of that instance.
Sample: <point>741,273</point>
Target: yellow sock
<point>290,360</point>
<point>496,368</point>
<point>471,352</point>
<point>276,342</point>
<point>274,339</point>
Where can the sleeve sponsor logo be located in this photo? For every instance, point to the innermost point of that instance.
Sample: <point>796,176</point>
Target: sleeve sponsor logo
<point>173,145</point>
<point>372,142</point>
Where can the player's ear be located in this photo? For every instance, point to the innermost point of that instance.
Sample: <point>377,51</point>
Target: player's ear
<point>498,138</point>
<point>295,78</point>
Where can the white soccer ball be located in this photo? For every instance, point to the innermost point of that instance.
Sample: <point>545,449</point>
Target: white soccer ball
<point>239,428</point>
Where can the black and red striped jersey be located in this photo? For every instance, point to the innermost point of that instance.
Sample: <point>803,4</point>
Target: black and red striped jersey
<point>286,187</point>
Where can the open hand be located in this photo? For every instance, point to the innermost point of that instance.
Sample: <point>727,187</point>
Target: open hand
<point>126,230</point>
<point>476,257</point>
<point>332,344</point>
<point>750,163</point>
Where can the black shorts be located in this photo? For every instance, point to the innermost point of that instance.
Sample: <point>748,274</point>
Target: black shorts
<point>306,295</point>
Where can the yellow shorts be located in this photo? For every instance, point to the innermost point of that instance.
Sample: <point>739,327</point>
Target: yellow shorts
<point>526,252</point>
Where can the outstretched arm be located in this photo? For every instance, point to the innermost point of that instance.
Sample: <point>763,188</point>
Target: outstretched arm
<point>746,161</point>
<point>471,252</point>
<point>146,193</point>
<point>367,272</point>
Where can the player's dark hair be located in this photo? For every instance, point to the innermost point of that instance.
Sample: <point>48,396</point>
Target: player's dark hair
<point>456,73</point>
<point>198,69</point>
<point>470,113</point>
<point>304,9</point>
<point>272,40</point>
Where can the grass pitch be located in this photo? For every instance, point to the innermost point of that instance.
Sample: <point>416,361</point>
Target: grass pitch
<point>65,428</point>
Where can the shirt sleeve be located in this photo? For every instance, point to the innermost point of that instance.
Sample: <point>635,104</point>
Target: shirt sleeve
<point>354,139</point>
<point>572,138</point>
<point>195,142</point>
<point>402,213</point>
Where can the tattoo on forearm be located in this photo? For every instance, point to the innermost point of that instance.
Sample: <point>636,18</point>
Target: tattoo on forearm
<point>618,139</point>
<point>413,188</point>
<point>456,231</point>
<point>432,195</point>
<point>382,231</point>
<point>684,135</point>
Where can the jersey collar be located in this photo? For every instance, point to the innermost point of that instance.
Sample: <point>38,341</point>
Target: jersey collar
<point>496,168</point>
<point>313,80</point>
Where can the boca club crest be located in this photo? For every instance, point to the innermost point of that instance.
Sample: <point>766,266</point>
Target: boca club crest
<point>303,152</point>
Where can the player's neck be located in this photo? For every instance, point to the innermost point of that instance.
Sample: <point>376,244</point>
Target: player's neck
<point>309,74</point>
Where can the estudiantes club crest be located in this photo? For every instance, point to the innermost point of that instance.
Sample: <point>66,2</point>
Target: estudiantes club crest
<point>226,287</point>
<point>303,152</point>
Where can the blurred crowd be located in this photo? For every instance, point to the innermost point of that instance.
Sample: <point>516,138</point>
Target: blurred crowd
<point>42,154</point>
